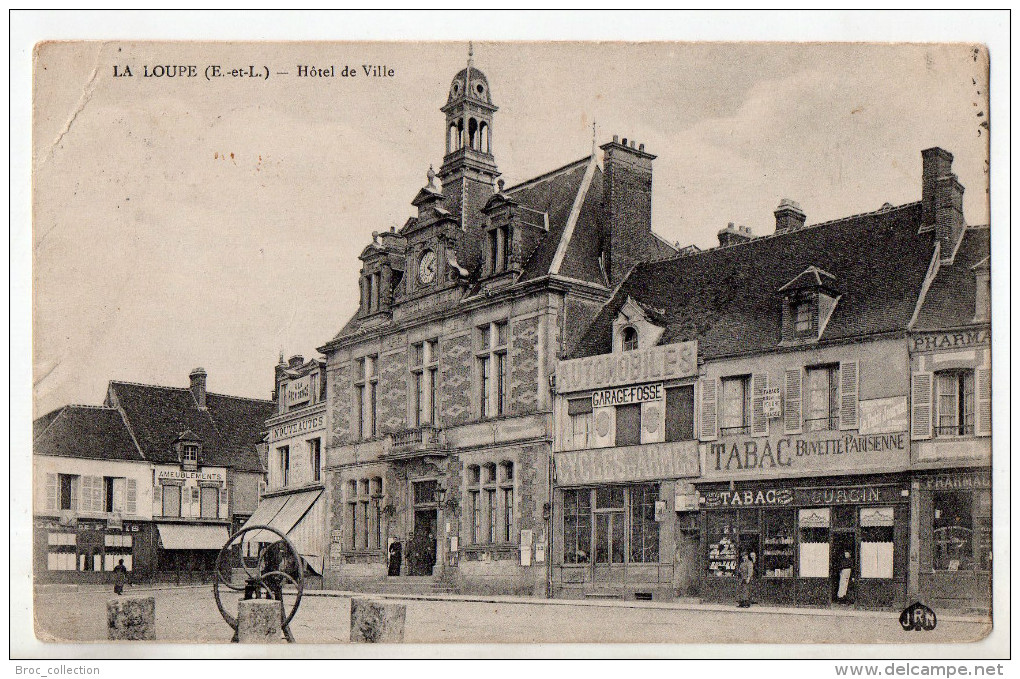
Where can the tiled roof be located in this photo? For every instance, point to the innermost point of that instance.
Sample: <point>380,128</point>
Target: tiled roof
<point>727,298</point>
<point>229,428</point>
<point>950,300</point>
<point>88,432</point>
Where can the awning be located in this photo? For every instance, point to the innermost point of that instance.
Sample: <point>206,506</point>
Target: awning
<point>191,536</point>
<point>299,516</point>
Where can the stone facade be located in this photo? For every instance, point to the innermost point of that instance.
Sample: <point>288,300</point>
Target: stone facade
<point>524,366</point>
<point>455,378</point>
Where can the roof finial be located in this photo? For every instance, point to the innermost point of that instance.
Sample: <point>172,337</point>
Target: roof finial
<point>281,356</point>
<point>471,54</point>
<point>593,135</point>
<point>431,174</point>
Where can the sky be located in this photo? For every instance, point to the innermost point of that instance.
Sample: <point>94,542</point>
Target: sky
<point>190,222</point>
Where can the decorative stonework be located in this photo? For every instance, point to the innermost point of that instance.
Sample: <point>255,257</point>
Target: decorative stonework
<point>524,366</point>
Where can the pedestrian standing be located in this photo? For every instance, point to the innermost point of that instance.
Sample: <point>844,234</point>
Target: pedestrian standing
<point>845,573</point>
<point>745,572</point>
<point>119,577</point>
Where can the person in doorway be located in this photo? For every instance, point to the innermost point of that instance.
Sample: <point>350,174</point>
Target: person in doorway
<point>273,563</point>
<point>394,558</point>
<point>845,573</point>
<point>120,575</point>
<point>745,572</point>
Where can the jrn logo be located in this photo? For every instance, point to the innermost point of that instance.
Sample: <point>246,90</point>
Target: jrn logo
<point>917,617</point>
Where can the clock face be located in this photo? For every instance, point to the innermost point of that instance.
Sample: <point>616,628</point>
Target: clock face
<point>427,267</point>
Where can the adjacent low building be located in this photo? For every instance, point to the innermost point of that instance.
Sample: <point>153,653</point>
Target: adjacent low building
<point>158,476</point>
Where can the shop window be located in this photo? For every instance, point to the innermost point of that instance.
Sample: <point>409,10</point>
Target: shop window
<point>955,407</point>
<point>577,518</point>
<point>723,542</point>
<point>876,542</point>
<point>680,413</point>
<point>735,405</point>
<point>210,502</point>
<point>424,383</point>
<point>628,424</point>
<point>579,435</point>
<point>171,500</point>
<point>630,338</point>
<point>814,542</point>
<point>62,550</point>
<point>644,530</point>
<point>118,547</point>
<point>778,547</point>
<point>494,383</point>
<point>822,412</point>
<point>953,531</point>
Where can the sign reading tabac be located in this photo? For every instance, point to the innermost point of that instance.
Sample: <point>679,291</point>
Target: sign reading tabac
<point>654,364</point>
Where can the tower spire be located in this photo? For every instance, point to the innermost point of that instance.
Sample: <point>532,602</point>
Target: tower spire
<point>593,135</point>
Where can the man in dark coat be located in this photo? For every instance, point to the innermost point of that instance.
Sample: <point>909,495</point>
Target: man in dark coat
<point>120,574</point>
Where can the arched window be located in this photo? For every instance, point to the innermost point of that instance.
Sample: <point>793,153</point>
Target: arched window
<point>630,339</point>
<point>453,139</point>
<point>473,133</point>
<point>483,138</point>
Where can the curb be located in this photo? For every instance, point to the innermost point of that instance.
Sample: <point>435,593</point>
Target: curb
<point>652,605</point>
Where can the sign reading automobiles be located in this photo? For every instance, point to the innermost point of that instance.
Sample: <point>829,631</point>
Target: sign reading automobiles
<point>654,364</point>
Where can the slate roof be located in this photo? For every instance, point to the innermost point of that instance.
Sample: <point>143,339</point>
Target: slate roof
<point>950,300</point>
<point>728,298</point>
<point>229,428</point>
<point>87,432</point>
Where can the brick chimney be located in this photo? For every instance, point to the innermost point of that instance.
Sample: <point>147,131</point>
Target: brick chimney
<point>198,386</point>
<point>732,235</point>
<point>295,361</point>
<point>626,206</point>
<point>789,216</point>
<point>941,199</point>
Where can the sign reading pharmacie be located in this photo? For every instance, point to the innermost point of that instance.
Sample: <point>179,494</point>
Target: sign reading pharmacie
<point>940,341</point>
<point>305,424</point>
<point>653,364</point>
<point>781,497</point>
<point>823,452</point>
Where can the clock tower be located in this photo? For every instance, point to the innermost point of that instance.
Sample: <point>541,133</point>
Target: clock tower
<point>469,172</point>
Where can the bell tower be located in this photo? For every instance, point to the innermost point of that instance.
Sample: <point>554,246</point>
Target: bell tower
<point>469,169</point>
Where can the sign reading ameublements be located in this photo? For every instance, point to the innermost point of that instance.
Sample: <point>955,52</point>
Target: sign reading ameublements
<point>625,395</point>
<point>666,362</point>
<point>179,474</point>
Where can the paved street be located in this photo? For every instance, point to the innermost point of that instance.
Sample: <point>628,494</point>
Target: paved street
<point>190,615</point>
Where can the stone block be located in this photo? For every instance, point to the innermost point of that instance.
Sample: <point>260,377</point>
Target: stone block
<point>375,622</point>
<point>131,618</point>
<point>259,622</point>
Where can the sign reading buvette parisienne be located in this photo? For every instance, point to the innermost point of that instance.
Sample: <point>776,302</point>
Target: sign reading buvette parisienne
<point>666,362</point>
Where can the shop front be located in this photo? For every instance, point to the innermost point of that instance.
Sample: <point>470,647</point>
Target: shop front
<point>816,542</point>
<point>616,521</point>
<point>190,508</point>
<point>954,538</point>
<point>88,550</point>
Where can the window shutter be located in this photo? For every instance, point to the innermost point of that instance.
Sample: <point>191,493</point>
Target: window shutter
<point>131,503</point>
<point>118,495</point>
<point>983,398</point>
<point>224,502</point>
<point>709,409</point>
<point>157,499</point>
<point>51,492</point>
<point>920,405</point>
<point>792,415</point>
<point>98,494</point>
<point>848,379</point>
<point>759,423</point>
<point>653,421</point>
<point>86,494</point>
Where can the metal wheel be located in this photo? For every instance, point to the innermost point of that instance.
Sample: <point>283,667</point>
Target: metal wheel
<point>260,580</point>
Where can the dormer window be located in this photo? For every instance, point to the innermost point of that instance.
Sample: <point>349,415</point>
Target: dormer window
<point>499,249</point>
<point>630,339</point>
<point>190,455</point>
<point>808,302</point>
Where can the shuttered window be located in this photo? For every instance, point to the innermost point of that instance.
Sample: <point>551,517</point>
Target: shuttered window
<point>628,424</point>
<point>921,405</point>
<point>792,411</point>
<point>680,413</point>
<point>709,409</point>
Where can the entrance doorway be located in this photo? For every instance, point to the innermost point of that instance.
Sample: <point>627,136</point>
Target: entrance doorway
<point>423,543</point>
<point>842,558</point>
<point>421,556</point>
